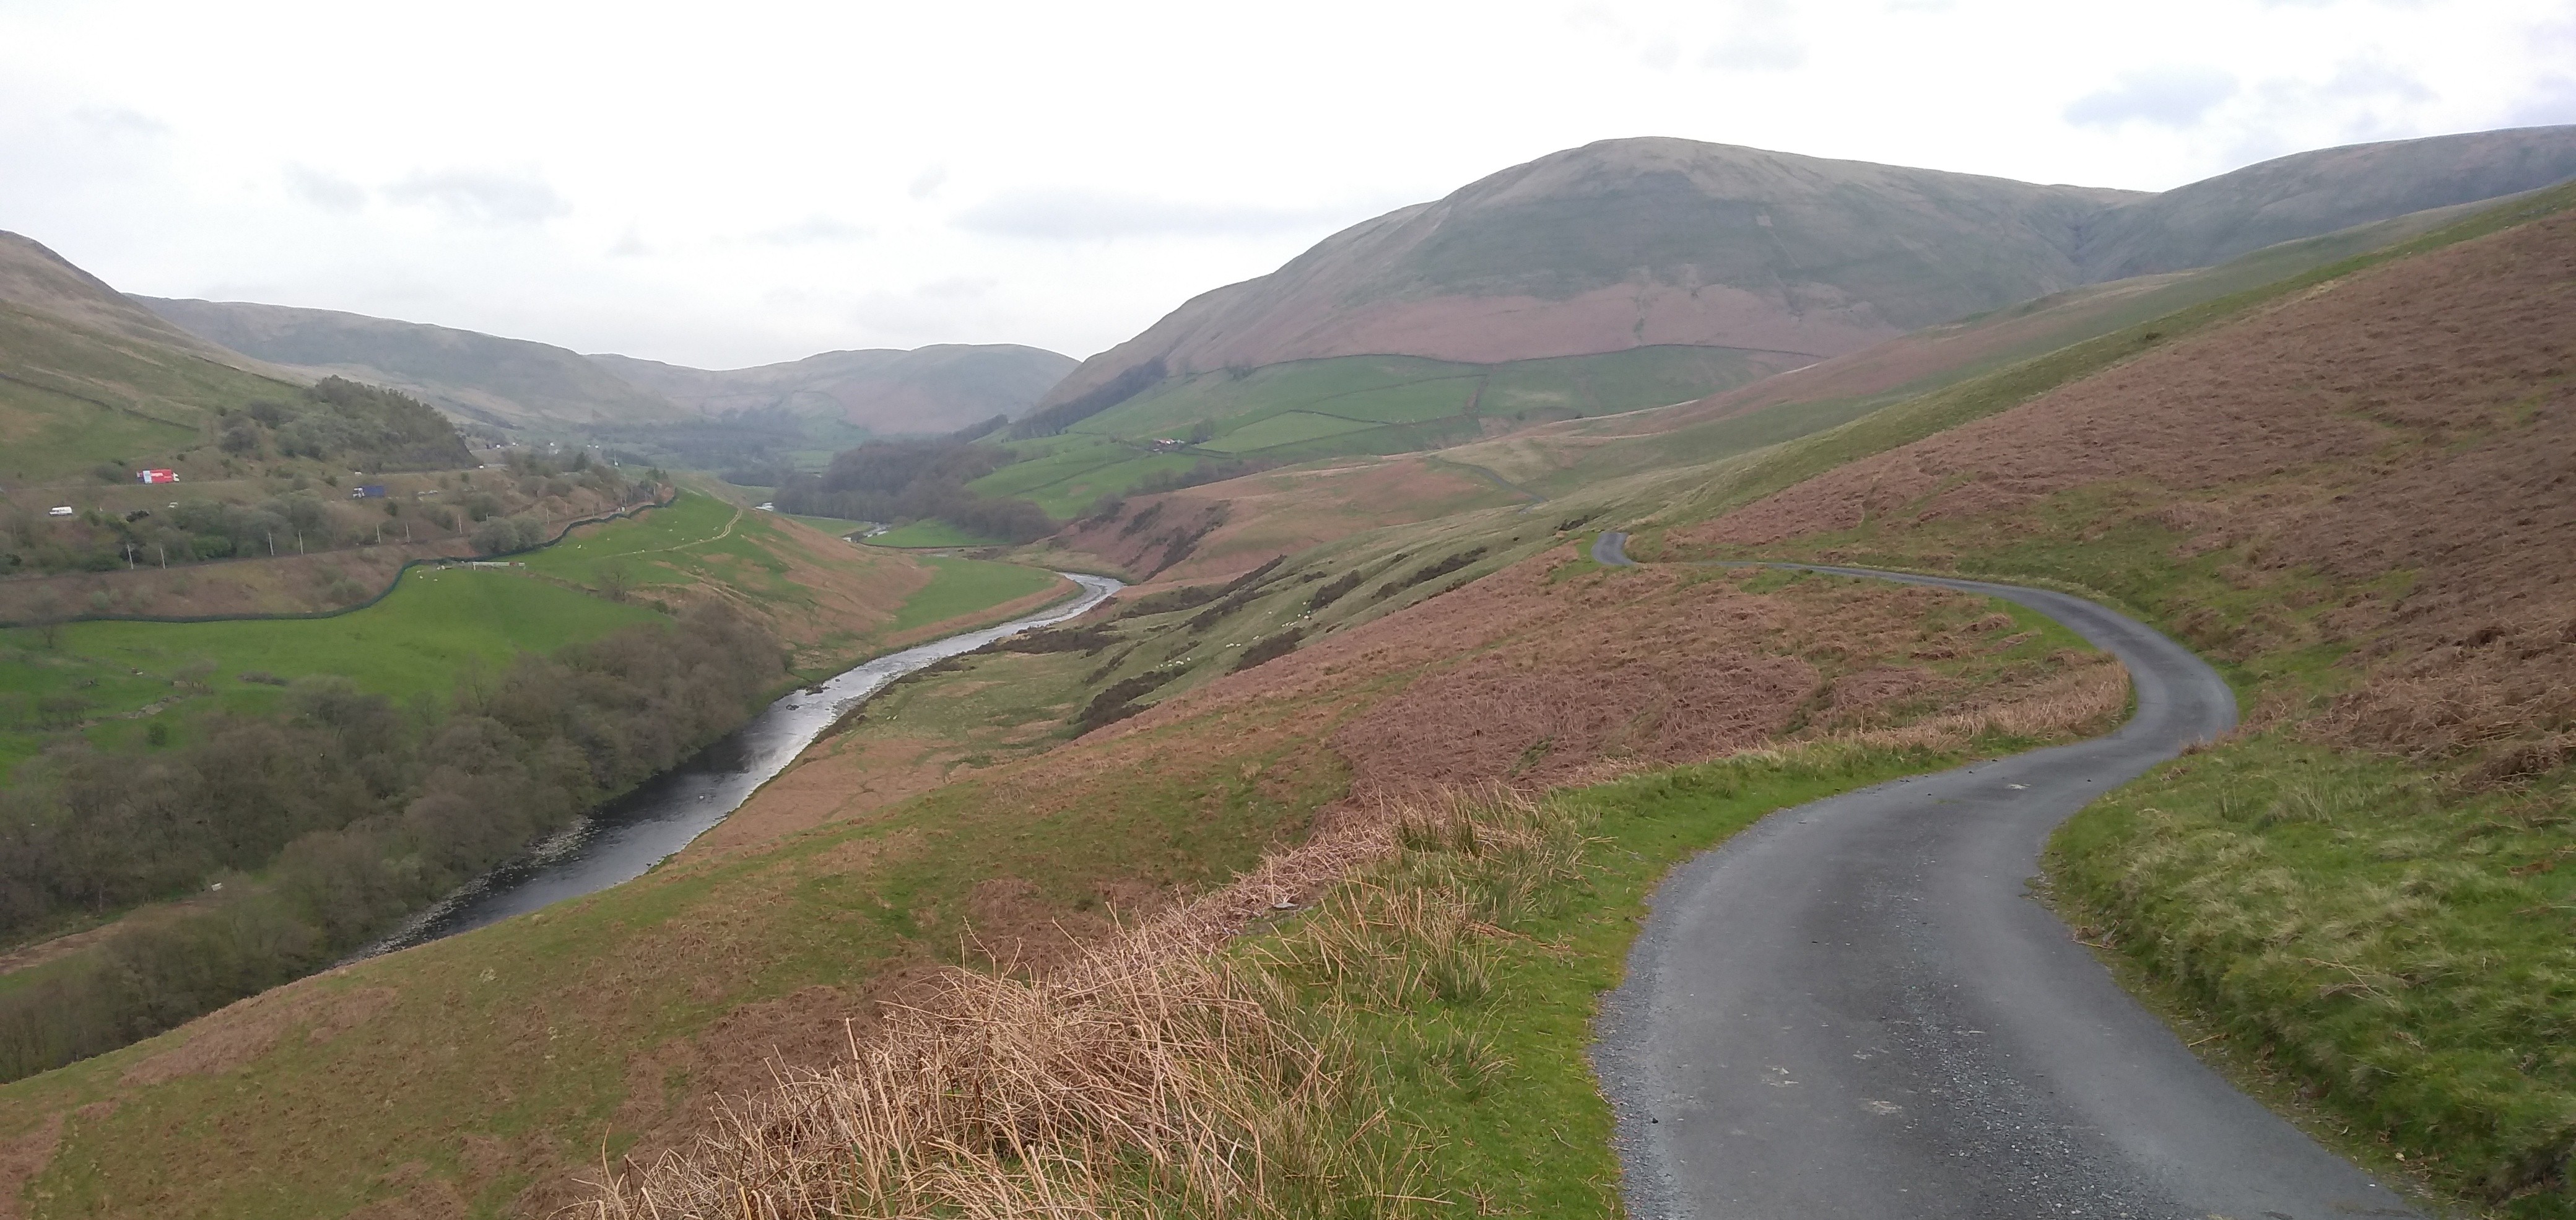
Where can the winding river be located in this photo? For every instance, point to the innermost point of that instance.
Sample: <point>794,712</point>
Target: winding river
<point>624,838</point>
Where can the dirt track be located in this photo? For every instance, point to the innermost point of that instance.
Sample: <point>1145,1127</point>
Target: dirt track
<point>1854,1010</point>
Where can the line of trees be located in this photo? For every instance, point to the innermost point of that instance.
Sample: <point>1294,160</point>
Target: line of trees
<point>895,480</point>
<point>330,822</point>
<point>312,519</point>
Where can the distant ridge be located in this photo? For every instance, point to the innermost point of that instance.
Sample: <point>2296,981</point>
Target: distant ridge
<point>939,388</point>
<point>520,384</point>
<point>508,383</point>
<point>1637,242</point>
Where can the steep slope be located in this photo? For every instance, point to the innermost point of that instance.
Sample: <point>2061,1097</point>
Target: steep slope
<point>1629,243</point>
<point>2357,501</point>
<point>87,377</point>
<point>510,383</point>
<point>932,389</point>
<point>34,277</point>
<point>1571,454</point>
<point>1632,242</point>
<point>2318,192</point>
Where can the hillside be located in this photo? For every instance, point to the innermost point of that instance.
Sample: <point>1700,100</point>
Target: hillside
<point>940,388</point>
<point>2352,499</point>
<point>1577,453</point>
<point>505,383</point>
<point>1787,259</point>
<point>2339,469</point>
<point>2303,194</point>
<point>88,378</point>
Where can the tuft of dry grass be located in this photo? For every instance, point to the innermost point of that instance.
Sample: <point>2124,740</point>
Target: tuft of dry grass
<point>2084,699</point>
<point>1148,1079</point>
<point>1156,1075</point>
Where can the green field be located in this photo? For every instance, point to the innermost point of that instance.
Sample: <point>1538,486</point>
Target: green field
<point>1386,404</point>
<point>434,629</point>
<point>1065,475</point>
<point>1308,409</point>
<point>639,542</point>
<point>932,533</point>
<point>964,586</point>
<point>1286,428</point>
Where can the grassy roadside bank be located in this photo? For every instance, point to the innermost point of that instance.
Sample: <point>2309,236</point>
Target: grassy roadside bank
<point>1413,1042</point>
<point>2393,942</point>
<point>2364,894</point>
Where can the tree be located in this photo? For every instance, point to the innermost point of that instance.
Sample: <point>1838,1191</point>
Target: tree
<point>616,580</point>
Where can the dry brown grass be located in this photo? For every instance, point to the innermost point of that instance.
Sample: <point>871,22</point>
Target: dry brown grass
<point>1154,1075</point>
<point>2404,438</point>
<point>1139,1080</point>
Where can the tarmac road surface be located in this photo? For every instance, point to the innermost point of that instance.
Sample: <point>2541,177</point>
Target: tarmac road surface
<point>1854,1009</point>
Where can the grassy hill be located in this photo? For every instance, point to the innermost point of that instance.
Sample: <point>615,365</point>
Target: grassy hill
<point>939,388</point>
<point>2342,482</point>
<point>86,377</point>
<point>511,384</point>
<point>1650,242</point>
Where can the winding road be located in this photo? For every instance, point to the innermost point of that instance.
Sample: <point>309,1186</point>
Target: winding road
<point>1854,1009</point>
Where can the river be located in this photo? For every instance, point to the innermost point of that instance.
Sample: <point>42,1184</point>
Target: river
<point>623,839</point>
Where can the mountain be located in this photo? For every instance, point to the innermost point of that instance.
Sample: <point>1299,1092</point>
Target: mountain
<point>933,389</point>
<point>1640,242</point>
<point>34,277</point>
<point>520,384</point>
<point>508,383</point>
<point>2304,194</point>
<point>87,377</point>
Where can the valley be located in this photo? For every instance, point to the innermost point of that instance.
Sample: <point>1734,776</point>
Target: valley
<point>1668,641</point>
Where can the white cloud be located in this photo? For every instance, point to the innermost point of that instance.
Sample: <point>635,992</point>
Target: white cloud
<point>327,191</point>
<point>1074,214</point>
<point>1760,40</point>
<point>814,229</point>
<point>116,122</point>
<point>2170,97</point>
<point>483,196</point>
<point>693,185</point>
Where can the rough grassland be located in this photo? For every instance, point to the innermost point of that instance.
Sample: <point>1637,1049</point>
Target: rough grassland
<point>1779,434</point>
<point>2345,499</point>
<point>74,397</point>
<point>961,587</point>
<point>482,1074</point>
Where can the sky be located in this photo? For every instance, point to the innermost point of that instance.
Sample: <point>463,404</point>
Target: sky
<point>728,185</point>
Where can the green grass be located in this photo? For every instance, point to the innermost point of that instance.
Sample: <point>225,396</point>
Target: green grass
<point>1319,408</point>
<point>1478,1046</point>
<point>521,1036</point>
<point>1614,381</point>
<point>932,533</point>
<point>1065,475</point>
<point>419,640</point>
<point>55,434</point>
<point>641,544</point>
<point>959,587</point>
<point>2400,947</point>
<point>1285,428</point>
<point>437,628</point>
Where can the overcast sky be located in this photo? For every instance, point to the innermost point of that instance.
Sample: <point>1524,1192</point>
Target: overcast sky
<point>722,185</point>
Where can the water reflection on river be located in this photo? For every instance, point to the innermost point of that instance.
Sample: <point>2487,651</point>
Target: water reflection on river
<point>626,837</point>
